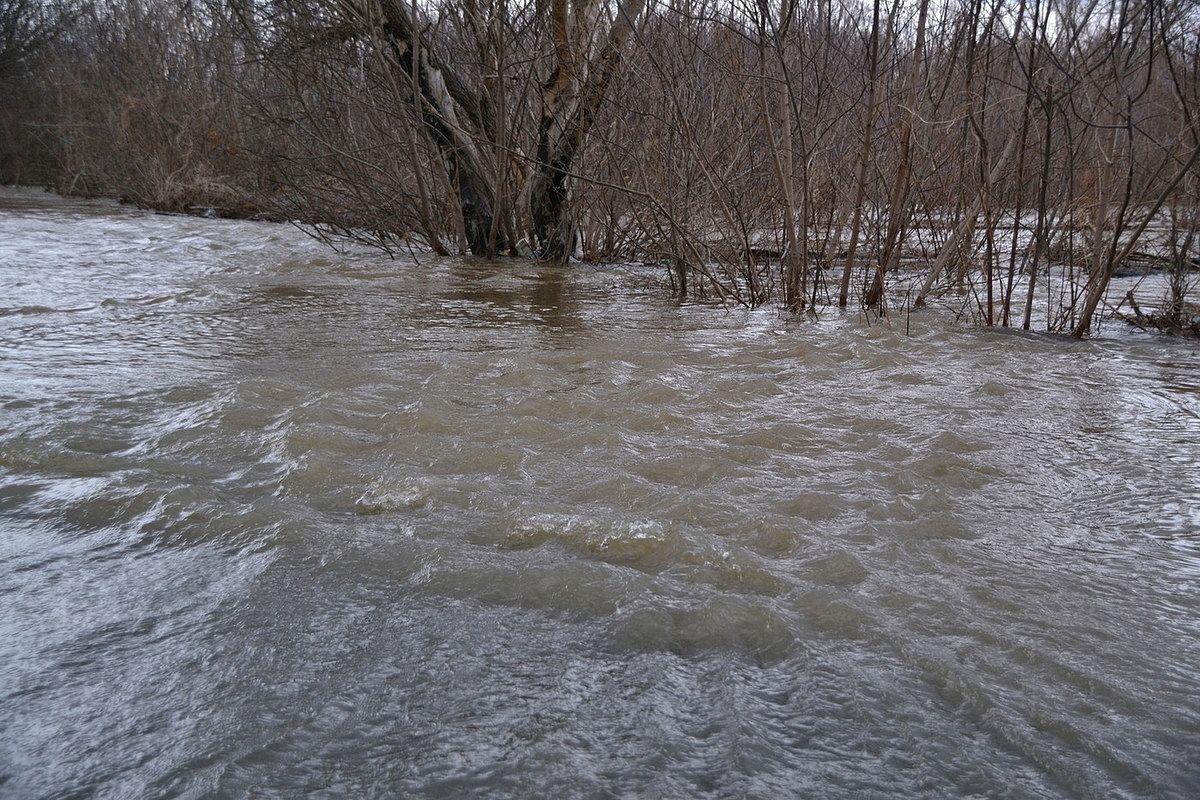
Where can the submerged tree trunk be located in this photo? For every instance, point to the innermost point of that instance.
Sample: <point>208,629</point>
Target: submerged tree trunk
<point>860,190</point>
<point>571,97</point>
<point>1098,283</point>
<point>1041,230</point>
<point>440,95</point>
<point>961,240</point>
<point>898,198</point>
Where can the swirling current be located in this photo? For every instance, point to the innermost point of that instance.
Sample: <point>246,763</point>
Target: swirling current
<point>279,521</point>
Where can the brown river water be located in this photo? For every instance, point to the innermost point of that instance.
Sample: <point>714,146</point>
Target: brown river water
<point>278,521</point>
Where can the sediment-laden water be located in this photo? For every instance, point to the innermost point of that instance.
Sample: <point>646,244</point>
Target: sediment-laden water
<point>275,520</point>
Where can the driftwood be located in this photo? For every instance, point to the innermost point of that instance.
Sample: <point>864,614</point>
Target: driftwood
<point>1176,322</point>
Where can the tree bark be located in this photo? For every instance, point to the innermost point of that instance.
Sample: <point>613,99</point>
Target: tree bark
<point>1098,284</point>
<point>571,97</point>
<point>962,237</point>
<point>440,94</point>
<point>898,198</point>
<point>860,190</point>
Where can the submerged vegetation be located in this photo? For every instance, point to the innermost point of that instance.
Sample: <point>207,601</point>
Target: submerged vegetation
<point>800,151</point>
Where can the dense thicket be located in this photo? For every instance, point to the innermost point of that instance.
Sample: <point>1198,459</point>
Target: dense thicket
<point>799,150</point>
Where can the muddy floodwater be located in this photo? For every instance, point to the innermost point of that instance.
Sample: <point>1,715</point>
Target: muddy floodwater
<point>278,521</point>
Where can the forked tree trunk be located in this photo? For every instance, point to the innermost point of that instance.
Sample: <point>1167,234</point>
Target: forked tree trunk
<point>441,95</point>
<point>570,100</point>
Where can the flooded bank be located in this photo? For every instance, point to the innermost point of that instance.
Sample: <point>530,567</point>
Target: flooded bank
<point>279,520</point>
